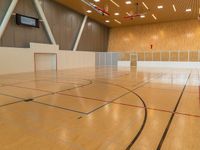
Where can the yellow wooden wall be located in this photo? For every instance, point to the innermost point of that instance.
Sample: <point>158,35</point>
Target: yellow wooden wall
<point>180,35</point>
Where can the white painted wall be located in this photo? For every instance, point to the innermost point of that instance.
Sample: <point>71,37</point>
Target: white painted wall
<point>17,60</point>
<point>45,62</point>
<point>124,63</point>
<point>167,64</point>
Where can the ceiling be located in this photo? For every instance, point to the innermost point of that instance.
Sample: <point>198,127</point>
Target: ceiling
<point>167,13</point>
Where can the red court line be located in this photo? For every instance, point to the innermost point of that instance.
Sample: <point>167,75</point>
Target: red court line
<point>130,105</point>
<point>124,104</point>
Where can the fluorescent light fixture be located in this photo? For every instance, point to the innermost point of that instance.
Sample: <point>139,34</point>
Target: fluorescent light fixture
<point>107,21</point>
<point>116,14</point>
<point>174,7</point>
<point>145,5</point>
<point>115,3</point>
<point>160,7</point>
<point>96,0</point>
<point>142,16</point>
<point>128,2</point>
<point>154,16</point>
<point>89,11</point>
<point>188,10</point>
<point>117,21</point>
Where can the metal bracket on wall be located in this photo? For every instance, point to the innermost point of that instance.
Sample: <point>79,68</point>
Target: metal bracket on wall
<point>80,33</point>
<point>7,17</point>
<point>10,11</point>
<point>45,22</point>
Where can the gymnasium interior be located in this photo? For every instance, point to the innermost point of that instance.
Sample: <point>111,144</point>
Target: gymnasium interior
<point>99,74</point>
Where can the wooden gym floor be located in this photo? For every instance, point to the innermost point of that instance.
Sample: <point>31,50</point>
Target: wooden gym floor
<point>100,109</point>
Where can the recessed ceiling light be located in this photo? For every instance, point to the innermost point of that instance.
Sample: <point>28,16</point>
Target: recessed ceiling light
<point>117,21</point>
<point>160,7</point>
<point>188,10</point>
<point>116,14</point>
<point>96,0</point>
<point>174,7</point>
<point>128,2</point>
<point>145,5</point>
<point>154,16</point>
<point>107,21</point>
<point>89,11</point>
<point>128,13</point>
<point>142,16</point>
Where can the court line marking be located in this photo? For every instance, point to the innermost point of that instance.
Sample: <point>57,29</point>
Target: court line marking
<point>21,99</point>
<point>90,82</point>
<point>143,123</point>
<point>75,85</point>
<point>130,105</point>
<point>36,89</point>
<point>172,116</point>
<point>11,96</point>
<point>11,103</point>
<point>51,91</point>
<point>161,110</point>
<point>144,107</point>
<point>80,112</point>
<point>139,87</point>
<point>108,102</point>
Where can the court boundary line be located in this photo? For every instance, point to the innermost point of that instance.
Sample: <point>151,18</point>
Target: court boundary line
<point>130,105</point>
<point>80,112</point>
<point>122,95</point>
<point>172,116</point>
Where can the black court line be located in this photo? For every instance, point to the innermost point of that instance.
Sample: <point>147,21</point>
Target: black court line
<point>135,106</point>
<point>144,106</point>
<point>172,116</point>
<point>90,82</point>
<point>145,114</point>
<point>42,95</point>
<point>11,103</point>
<point>10,96</point>
<point>143,123</point>
<point>146,82</point>
<point>109,102</point>
<point>59,107</point>
<point>78,85</point>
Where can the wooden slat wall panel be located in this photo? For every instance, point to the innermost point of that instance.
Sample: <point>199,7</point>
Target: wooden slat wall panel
<point>148,56</point>
<point>94,37</point>
<point>165,56</point>
<point>21,36</point>
<point>133,60</point>
<point>4,4</point>
<point>156,56</point>
<point>174,56</point>
<point>124,56</point>
<point>178,35</point>
<point>141,56</point>
<point>183,56</point>
<point>193,56</point>
<point>64,23</point>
